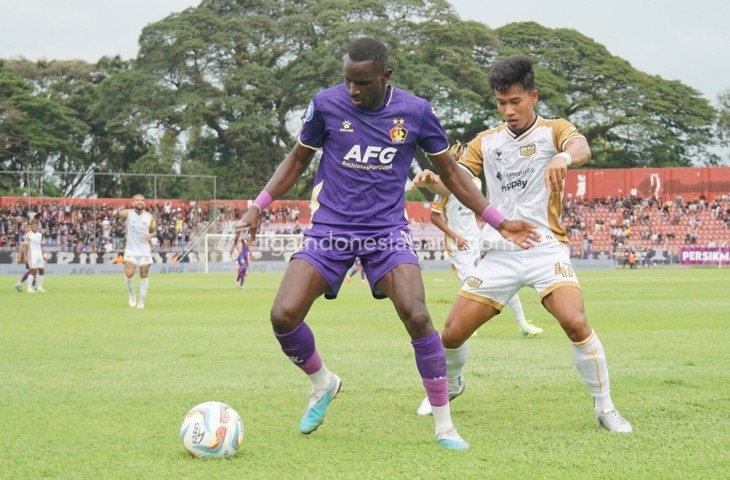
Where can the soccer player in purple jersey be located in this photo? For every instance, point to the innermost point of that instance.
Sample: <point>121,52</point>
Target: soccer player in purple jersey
<point>244,258</point>
<point>368,131</point>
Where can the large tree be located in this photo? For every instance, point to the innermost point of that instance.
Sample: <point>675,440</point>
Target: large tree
<point>231,79</point>
<point>39,132</point>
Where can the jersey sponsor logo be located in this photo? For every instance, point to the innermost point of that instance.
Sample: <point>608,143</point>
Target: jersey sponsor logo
<point>473,282</point>
<point>346,127</point>
<point>516,184</point>
<point>309,114</point>
<point>528,150</point>
<point>398,133</point>
<point>372,152</point>
<point>519,173</point>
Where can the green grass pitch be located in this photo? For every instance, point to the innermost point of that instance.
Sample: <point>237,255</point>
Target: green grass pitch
<point>92,389</point>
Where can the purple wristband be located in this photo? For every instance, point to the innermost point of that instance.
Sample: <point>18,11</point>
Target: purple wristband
<point>492,216</point>
<point>263,200</point>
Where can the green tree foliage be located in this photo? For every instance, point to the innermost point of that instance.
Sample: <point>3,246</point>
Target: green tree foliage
<point>631,119</point>
<point>57,130</point>
<point>231,79</point>
<point>220,89</point>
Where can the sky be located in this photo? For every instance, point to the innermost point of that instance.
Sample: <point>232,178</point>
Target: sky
<point>675,39</point>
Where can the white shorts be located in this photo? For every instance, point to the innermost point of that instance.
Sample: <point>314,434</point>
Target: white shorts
<point>463,262</point>
<point>36,260</point>
<point>139,260</point>
<point>501,274</point>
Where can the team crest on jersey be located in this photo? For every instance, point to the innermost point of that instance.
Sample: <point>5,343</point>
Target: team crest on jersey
<point>398,133</point>
<point>473,282</point>
<point>528,150</point>
<point>346,126</point>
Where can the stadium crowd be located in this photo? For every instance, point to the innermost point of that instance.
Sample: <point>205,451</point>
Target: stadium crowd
<point>608,227</point>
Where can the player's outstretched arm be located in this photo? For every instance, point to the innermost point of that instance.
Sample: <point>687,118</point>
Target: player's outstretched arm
<point>438,219</point>
<point>428,179</point>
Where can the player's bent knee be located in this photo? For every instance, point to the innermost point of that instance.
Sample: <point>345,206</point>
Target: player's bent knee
<point>453,337</point>
<point>284,320</point>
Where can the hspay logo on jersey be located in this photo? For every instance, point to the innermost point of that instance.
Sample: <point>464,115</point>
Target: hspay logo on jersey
<point>398,133</point>
<point>512,185</point>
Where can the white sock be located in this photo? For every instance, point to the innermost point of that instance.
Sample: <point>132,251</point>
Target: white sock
<point>39,282</point>
<point>442,417</point>
<point>590,359</point>
<point>516,305</point>
<point>30,282</point>
<point>320,379</point>
<point>144,285</point>
<point>456,359</point>
<point>130,285</point>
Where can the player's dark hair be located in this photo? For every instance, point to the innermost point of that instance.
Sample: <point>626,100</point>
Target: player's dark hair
<point>514,70</point>
<point>364,49</point>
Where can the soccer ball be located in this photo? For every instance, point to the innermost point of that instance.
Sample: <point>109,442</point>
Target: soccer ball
<point>211,430</point>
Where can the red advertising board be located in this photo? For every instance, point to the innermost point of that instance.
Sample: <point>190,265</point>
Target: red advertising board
<point>660,183</point>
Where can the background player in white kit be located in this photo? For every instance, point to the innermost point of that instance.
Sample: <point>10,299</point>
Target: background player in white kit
<point>36,262</point>
<point>139,226</point>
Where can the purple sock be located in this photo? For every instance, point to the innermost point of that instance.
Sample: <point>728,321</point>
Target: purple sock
<point>431,364</point>
<point>298,345</point>
<point>25,276</point>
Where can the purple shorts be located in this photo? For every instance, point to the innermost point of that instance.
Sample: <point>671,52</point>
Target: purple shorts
<point>333,253</point>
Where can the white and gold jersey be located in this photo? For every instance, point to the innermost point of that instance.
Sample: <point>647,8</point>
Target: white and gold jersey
<point>514,169</point>
<point>139,226</point>
<point>460,219</point>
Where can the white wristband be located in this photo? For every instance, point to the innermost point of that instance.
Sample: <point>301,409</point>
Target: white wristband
<point>566,156</point>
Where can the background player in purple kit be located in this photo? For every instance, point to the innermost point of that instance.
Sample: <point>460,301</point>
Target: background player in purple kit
<point>357,267</point>
<point>368,131</point>
<point>244,258</point>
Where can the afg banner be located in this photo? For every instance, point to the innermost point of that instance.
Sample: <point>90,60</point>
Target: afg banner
<point>704,256</point>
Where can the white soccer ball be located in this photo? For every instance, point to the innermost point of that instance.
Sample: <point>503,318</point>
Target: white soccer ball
<point>211,430</point>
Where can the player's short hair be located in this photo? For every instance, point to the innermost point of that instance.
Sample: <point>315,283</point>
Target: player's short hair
<point>364,49</point>
<point>138,195</point>
<point>514,70</point>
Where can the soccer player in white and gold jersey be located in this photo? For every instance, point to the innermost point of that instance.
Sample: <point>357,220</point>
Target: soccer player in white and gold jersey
<point>525,160</point>
<point>140,226</point>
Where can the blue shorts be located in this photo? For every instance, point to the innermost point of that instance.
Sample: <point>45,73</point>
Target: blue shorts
<point>333,253</point>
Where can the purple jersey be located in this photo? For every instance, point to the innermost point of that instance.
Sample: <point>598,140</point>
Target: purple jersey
<point>367,154</point>
<point>243,257</point>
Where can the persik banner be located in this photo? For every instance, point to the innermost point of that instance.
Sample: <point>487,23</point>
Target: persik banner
<point>704,256</point>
